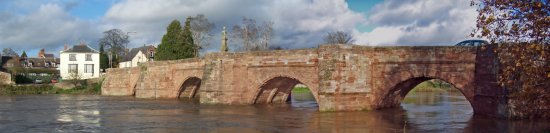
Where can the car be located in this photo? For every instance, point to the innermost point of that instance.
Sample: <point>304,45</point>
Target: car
<point>38,81</point>
<point>472,43</point>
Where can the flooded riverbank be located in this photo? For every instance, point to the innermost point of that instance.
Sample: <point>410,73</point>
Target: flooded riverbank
<point>420,112</point>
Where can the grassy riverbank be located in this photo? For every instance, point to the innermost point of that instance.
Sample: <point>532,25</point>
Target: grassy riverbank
<point>300,90</point>
<point>94,88</point>
<point>427,86</point>
<point>433,86</point>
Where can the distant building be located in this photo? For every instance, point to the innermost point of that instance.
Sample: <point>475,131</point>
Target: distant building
<point>28,69</point>
<point>137,56</point>
<point>80,59</point>
<point>43,60</point>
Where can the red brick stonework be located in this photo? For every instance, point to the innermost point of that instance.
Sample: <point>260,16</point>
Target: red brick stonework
<point>341,77</point>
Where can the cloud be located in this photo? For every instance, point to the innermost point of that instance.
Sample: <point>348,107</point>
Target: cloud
<point>297,23</point>
<point>419,22</point>
<point>49,27</point>
<point>302,24</point>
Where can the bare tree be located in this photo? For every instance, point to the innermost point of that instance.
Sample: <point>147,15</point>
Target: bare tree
<point>266,34</point>
<point>75,78</point>
<point>115,41</point>
<point>339,37</point>
<point>9,52</point>
<point>201,32</point>
<point>251,36</point>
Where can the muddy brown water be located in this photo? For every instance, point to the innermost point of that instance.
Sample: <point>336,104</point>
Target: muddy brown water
<point>419,112</point>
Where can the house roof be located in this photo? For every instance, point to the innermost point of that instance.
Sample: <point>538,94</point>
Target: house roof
<point>135,51</point>
<point>81,48</point>
<point>48,55</point>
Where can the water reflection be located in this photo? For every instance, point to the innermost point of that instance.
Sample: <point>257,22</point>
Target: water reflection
<point>420,112</point>
<point>77,113</point>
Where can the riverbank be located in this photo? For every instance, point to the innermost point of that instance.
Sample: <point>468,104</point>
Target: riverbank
<point>434,86</point>
<point>92,89</point>
<point>300,90</point>
<point>427,86</point>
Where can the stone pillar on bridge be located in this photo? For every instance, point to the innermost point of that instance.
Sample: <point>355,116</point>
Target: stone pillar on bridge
<point>224,47</point>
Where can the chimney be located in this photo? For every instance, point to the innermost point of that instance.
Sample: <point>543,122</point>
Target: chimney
<point>65,47</point>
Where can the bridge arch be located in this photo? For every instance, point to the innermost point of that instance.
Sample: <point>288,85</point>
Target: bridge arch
<point>395,95</point>
<point>189,87</point>
<point>277,89</point>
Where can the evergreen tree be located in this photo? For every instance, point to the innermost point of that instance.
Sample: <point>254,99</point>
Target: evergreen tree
<point>24,54</point>
<point>177,43</point>
<point>170,42</point>
<point>103,58</point>
<point>188,47</point>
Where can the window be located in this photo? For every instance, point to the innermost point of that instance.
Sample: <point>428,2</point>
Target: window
<point>88,57</point>
<point>72,57</point>
<point>73,68</point>
<point>151,55</point>
<point>89,68</point>
<point>47,64</point>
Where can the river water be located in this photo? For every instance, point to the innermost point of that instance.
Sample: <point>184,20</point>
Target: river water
<point>420,112</point>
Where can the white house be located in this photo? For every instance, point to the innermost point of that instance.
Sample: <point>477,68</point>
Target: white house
<point>137,56</point>
<point>80,59</point>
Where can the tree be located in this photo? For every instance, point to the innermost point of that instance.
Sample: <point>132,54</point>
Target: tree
<point>266,32</point>
<point>188,47</point>
<point>176,43</point>
<point>103,58</point>
<point>251,36</point>
<point>115,40</point>
<point>201,32</point>
<point>75,78</point>
<point>519,32</point>
<point>9,52</point>
<point>24,54</point>
<point>338,37</point>
<point>170,41</point>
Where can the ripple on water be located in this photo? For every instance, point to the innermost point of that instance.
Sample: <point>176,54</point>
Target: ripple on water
<point>88,113</point>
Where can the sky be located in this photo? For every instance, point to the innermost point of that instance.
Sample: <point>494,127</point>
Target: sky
<point>30,25</point>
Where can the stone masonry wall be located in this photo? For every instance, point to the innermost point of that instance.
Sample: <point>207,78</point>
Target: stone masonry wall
<point>365,78</point>
<point>236,78</point>
<point>5,78</point>
<point>163,79</point>
<point>120,81</point>
<point>490,99</point>
<point>341,77</point>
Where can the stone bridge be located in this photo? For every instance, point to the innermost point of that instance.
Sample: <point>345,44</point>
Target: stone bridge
<point>341,77</point>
